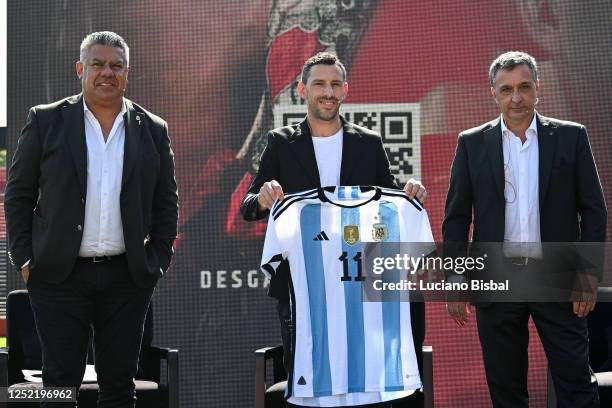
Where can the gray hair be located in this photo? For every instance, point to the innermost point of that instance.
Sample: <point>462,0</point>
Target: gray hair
<point>104,38</point>
<point>510,60</point>
<point>323,58</point>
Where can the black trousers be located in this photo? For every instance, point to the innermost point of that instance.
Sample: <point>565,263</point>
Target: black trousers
<point>504,337</point>
<point>101,296</point>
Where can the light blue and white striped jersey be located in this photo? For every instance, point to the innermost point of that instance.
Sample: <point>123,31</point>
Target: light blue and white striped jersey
<point>344,347</point>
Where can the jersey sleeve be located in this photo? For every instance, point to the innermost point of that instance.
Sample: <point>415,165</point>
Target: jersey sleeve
<point>424,233</point>
<point>419,240</point>
<point>273,251</point>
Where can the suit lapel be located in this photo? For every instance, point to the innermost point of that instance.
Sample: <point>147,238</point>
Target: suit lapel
<point>350,151</point>
<point>493,142</point>
<point>74,121</point>
<point>301,144</point>
<point>547,143</point>
<point>133,130</point>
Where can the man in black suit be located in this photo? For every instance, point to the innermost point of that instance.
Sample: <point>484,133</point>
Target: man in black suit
<point>525,178</point>
<point>323,150</point>
<point>91,211</point>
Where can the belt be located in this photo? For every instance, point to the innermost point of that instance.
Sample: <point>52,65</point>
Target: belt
<point>521,260</point>
<point>100,258</point>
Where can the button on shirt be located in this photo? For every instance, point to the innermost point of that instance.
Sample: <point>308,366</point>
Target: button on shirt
<point>103,229</point>
<point>521,191</point>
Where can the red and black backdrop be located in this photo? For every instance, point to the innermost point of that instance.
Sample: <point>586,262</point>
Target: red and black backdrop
<point>223,73</point>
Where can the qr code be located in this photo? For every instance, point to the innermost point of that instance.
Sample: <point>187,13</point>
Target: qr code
<point>397,124</point>
<point>290,119</point>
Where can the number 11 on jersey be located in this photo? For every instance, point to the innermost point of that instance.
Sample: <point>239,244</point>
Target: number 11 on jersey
<point>345,267</point>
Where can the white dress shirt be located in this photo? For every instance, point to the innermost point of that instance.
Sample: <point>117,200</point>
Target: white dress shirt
<point>103,229</point>
<point>521,192</point>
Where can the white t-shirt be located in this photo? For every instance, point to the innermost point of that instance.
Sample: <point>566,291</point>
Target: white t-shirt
<point>328,151</point>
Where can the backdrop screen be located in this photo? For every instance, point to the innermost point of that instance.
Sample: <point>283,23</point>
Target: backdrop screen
<point>222,73</point>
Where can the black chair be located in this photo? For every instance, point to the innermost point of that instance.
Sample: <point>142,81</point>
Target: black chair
<point>600,349</point>
<point>273,396</point>
<point>24,352</point>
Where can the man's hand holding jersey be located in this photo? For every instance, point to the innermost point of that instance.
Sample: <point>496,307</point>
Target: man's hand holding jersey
<point>268,194</point>
<point>414,188</point>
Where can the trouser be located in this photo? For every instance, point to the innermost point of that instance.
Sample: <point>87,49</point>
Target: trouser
<point>103,297</point>
<point>504,337</point>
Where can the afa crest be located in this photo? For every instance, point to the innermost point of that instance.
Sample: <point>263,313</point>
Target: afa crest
<point>351,234</point>
<point>380,232</point>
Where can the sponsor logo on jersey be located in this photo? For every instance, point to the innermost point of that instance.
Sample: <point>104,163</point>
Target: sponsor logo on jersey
<point>322,236</point>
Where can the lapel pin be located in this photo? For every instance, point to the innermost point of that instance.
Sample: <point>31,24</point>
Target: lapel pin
<point>138,119</point>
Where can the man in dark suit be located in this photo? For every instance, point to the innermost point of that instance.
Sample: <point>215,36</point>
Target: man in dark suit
<point>525,178</point>
<point>323,150</point>
<point>91,210</point>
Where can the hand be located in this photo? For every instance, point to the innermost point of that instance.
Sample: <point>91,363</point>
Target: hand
<point>25,273</point>
<point>459,311</point>
<point>414,188</point>
<point>582,309</point>
<point>268,194</point>
<point>584,294</point>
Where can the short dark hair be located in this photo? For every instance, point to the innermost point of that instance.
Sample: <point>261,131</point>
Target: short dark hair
<point>510,60</point>
<point>104,38</point>
<point>325,58</point>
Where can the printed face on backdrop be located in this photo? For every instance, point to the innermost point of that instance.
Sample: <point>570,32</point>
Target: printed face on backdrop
<point>103,75</point>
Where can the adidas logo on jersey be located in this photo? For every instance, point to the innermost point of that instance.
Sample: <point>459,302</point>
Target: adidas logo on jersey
<point>302,381</point>
<point>322,236</point>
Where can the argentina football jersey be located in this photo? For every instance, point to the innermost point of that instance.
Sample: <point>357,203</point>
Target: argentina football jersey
<point>345,349</point>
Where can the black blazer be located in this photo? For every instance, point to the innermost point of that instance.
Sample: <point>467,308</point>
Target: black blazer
<point>289,158</point>
<point>572,206</point>
<point>46,190</point>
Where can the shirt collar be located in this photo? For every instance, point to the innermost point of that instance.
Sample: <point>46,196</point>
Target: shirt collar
<point>531,131</point>
<point>123,108</point>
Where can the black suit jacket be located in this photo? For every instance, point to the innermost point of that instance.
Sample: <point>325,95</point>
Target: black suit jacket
<point>289,158</point>
<point>47,186</point>
<point>572,206</point>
